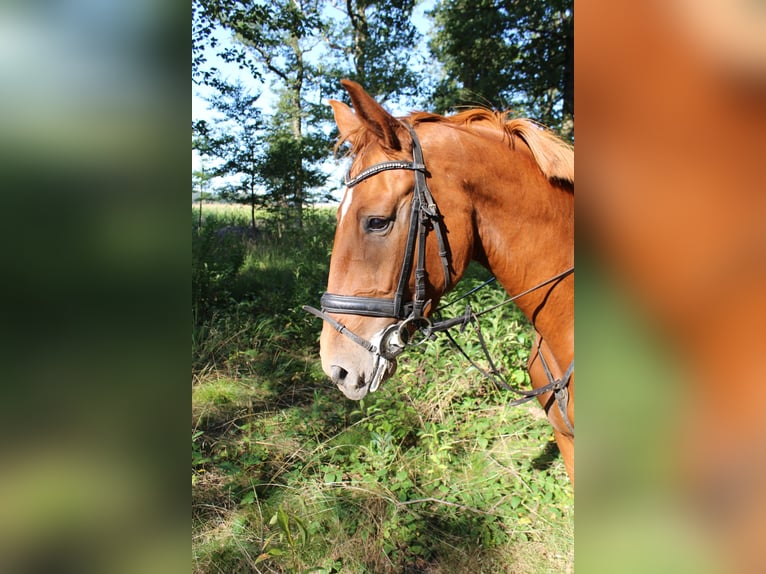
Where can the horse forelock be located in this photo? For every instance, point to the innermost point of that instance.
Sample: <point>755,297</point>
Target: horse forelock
<point>363,139</point>
<point>554,156</point>
<point>368,135</point>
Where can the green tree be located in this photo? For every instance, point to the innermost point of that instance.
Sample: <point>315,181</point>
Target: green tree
<point>507,53</point>
<point>235,143</point>
<point>291,166</point>
<point>545,71</point>
<point>470,42</point>
<point>374,44</point>
<point>208,16</point>
<point>277,43</point>
<point>200,186</point>
<point>301,48</point>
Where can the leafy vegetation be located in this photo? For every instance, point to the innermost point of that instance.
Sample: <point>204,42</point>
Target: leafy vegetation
<point>433,473</point>
<point>523,59</point>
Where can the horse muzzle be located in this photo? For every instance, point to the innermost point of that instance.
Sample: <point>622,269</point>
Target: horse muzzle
<point>355,377</point>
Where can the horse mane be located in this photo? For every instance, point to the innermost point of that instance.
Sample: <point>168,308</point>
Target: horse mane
<point>554,156</point>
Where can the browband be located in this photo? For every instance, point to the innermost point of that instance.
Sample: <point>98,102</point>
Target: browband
<point>378,167</point>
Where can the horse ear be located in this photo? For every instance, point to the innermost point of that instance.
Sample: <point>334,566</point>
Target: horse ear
<point>345,118</point>
<point>373,116</point>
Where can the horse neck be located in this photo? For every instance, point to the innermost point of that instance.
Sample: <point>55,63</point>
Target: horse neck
<point>525,230</point>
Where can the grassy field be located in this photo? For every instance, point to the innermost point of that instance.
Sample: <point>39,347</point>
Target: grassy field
<point>434,473</point>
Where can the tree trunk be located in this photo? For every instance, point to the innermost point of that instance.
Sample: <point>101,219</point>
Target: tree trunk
<point>568,71</point>
<point>358,19</point>
<point>252,206</point>
<point>297,125</point>
<point>199,225</point>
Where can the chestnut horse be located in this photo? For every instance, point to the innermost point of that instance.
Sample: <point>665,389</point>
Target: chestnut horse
<point>467,187</point>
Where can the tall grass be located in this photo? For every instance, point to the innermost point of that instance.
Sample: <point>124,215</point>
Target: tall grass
<point>433,473</point>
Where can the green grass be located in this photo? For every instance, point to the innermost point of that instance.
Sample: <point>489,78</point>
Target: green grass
<point>433,473</point>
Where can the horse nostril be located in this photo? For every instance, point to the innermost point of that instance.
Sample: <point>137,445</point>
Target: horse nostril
<point>337,374</point>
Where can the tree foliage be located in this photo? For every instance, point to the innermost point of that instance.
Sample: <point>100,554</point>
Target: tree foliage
<point>282,43</point>
<point>507,53</point>
<point>209,16</point>
<point>272,40</point>
<point>235,144</point>
<point>471,45</point>
<point>291,169</point>
<point>495,53</point>
<point>374,44</point>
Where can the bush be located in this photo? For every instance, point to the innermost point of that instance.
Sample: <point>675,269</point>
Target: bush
<point>433,472</point>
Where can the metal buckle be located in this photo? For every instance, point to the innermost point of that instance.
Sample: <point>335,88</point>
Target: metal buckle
<point>397,337</point>
<point>413,325</point>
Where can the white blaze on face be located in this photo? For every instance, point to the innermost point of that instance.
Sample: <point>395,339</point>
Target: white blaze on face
<point>346,203</point>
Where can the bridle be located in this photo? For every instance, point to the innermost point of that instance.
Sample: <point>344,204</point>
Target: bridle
<point>424,216</point>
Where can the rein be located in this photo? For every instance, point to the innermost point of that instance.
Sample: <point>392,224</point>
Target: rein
<point>559,387</point>
<point>424,216</point>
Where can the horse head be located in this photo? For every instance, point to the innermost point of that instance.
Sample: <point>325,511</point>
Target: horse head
<point>381,288</point>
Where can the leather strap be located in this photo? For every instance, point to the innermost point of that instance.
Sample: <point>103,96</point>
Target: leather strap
<point>342,329</point>
<point>352,305</point>
<point>383,166</point>
<point>424,216</point>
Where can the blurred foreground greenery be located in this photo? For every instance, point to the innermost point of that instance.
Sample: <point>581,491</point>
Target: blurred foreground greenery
<point>632,516</point>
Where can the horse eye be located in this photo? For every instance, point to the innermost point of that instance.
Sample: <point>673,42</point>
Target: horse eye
<point>377,224</point>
